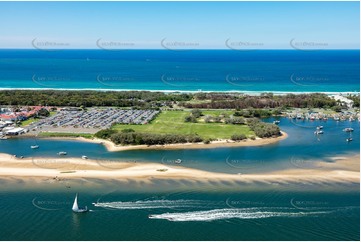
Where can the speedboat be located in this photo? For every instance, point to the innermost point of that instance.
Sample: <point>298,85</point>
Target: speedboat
<point>178,161</point>
<point>62,153</point>
<point>34,146</point>
<point>349,139</point>
<point>84,157</point>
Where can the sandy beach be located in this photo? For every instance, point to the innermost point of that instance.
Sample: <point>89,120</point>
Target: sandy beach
<point>342,170</point>
<point>110,146</point>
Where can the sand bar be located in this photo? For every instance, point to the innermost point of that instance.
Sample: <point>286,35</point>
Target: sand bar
<point>345,170</point>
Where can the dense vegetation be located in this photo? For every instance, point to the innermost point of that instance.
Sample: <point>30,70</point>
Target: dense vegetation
<point>267,100</point>
<point>263,130</point>
<point>134,138</point>
<point>146,99</point>
<point>105,133</point>
<point>140,99</point>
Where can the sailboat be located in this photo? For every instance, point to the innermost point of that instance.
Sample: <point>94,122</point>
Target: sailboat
<point>76,208</point>
<point>35,146</point>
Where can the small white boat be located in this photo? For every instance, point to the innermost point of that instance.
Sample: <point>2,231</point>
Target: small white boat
<point>84,157</point>
<point>3,138</point>
<point>348,130</point>
<point>319,132</point>
<point>349,139</point>
<point>76,208</point>
<point>62,153</point>
<point>178,161</point>
<point>319,127</point>
<point>276,122</point>
<point>34,146</point>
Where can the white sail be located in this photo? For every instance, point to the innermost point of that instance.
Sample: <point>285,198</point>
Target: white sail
<point>75,205</point>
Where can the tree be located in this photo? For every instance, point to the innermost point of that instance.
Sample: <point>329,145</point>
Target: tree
<point>238,137</point>
<point>190,119</point>
<point>127,130</point>
<point>196,113</point>
<point>43,113</point>
<point>105,133</point>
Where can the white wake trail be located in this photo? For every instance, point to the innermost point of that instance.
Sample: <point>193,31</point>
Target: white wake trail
<point>219,214</point>
<point>152,204</point>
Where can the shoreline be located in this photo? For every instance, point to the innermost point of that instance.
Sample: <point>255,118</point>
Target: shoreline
<point>253,93</point>
<point>110,146</point>
<point>344,170</point>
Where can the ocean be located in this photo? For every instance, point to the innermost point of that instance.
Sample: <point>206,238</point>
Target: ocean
<point>279,71</point>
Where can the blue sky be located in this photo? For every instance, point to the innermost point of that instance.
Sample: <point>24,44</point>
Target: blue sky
<point>265,25</point>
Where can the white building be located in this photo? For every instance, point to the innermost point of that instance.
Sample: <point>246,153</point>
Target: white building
<point>348,102</point>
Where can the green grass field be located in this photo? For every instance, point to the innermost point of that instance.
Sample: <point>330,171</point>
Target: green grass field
<point>172,122</point>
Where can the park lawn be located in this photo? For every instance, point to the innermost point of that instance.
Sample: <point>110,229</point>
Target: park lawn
<point>172,122</point>
<point>28,121</point>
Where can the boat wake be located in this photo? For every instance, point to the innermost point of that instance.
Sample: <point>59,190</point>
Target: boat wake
<point>242,213</point>
<point>153,204</point>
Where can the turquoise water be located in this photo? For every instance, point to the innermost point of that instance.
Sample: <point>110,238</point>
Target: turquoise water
<point>185,210</point>
<point>194,215</point>
<point>164,70</point>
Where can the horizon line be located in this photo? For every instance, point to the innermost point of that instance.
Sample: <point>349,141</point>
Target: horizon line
<point>245,50</point>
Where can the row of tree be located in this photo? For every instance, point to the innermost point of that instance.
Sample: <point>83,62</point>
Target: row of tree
<point>141,99</point>
<point>146,99</point>
<point>135,138</point>
<point>232,101</point>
